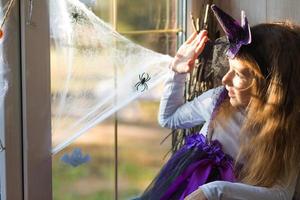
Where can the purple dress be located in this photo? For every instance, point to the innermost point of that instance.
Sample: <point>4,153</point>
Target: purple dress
<point>200,160</point>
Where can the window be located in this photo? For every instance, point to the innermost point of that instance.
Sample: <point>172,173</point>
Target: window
<point>125,149</point>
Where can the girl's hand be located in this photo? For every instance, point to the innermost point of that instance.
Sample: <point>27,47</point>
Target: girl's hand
<point>189,52</point>
<point>196,195</point>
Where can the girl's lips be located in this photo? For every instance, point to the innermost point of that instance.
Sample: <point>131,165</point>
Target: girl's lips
<point>230,93</point>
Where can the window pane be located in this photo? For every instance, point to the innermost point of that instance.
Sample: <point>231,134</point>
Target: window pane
<point>103,9</point>
<point>138,139</point>
<point>141,154</point>
<point>92,180</point>
<point>145,14</point>
<point>164,43</point>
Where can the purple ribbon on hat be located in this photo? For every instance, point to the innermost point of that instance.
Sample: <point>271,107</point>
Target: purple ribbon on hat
<point>237,33</point>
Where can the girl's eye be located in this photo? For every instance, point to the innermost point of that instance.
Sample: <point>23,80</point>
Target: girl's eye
<point>241,76</point>
<point>237,74</point>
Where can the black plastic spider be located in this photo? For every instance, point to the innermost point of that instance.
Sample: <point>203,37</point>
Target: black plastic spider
<point>144,77</point>
<point>77,16</point>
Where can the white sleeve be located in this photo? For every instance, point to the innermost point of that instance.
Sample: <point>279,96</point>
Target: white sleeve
<point>175,113</point>
<point>238,191</point>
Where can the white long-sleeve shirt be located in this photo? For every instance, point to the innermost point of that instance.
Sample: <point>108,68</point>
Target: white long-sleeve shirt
<point>175,113</point>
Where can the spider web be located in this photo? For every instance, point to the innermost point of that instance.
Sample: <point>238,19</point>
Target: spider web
<point>94,70</point>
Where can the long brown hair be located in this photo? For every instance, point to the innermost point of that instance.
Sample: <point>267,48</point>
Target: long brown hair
<point>270,148</point>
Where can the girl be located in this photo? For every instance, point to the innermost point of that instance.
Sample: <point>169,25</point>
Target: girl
<point>257,123</point>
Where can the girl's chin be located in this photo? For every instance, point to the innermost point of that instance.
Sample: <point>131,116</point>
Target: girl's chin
<point>234,102</point>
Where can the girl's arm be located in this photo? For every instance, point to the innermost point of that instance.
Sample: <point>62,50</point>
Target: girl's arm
<point>238,191</point>
<point>175,113</point>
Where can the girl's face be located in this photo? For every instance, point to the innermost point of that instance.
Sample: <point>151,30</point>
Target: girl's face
<point>238,82</point>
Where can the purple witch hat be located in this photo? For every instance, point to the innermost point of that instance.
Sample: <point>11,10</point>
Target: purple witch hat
<point>237,33</point>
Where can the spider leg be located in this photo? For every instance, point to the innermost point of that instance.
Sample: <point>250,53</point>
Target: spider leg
<point>143,88</point>
<point>140,77</point>
<point>148,77</point>
<point>137,85</point>
<point>146,86</point>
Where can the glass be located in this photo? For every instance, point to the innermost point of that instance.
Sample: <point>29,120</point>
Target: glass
<point>146,15</point>
<point>139,134</point>
<point>93,180</point>
<point>164,43</point>
<point>103,9</point>
<point>140,147</point>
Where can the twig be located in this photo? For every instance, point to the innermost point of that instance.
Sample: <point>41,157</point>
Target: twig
<point>6,13</point>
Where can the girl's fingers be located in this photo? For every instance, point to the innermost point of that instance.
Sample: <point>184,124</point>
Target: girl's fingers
<point>199,37</point>
<point>203,32</point>
<point>201,46</point>
<point>191,38</point>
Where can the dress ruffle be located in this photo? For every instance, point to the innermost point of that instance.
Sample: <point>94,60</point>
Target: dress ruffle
<point>196,163</point>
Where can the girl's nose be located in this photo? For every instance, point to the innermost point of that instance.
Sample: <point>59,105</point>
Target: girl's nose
<point>227,79</point>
